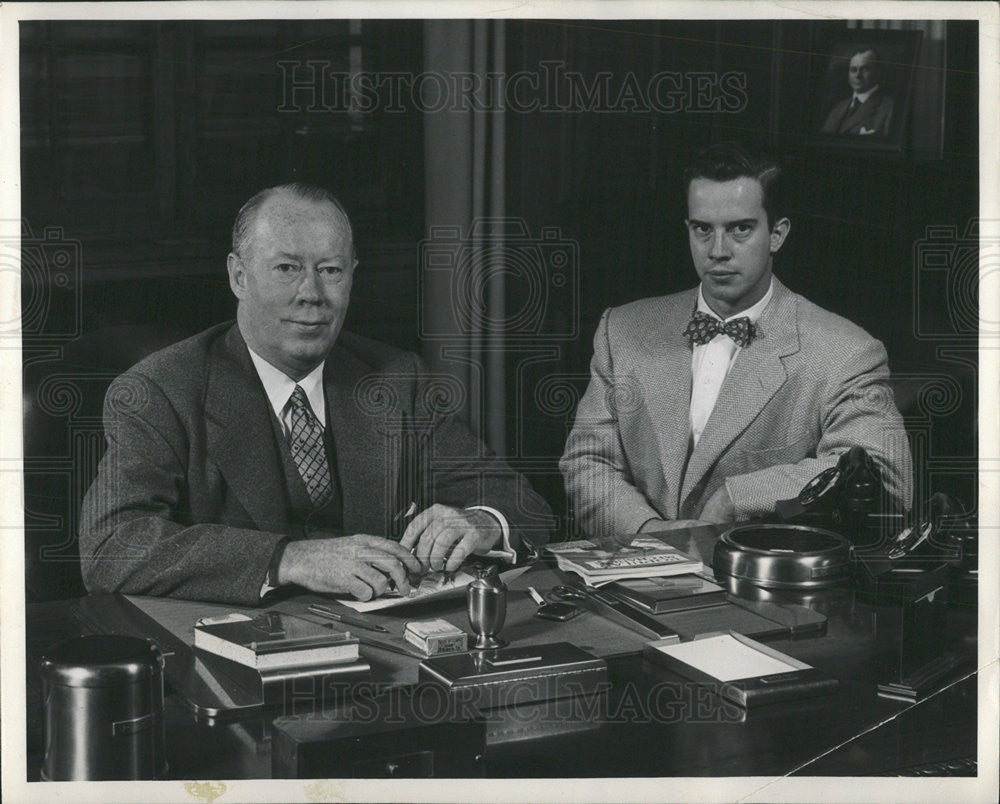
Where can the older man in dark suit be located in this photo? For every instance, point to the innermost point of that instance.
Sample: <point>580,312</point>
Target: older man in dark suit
<point>868,112</point>
<point>712,404</point>
<point>279,451</point>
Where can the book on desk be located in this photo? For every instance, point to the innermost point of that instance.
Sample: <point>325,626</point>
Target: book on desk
<point>664,595</point>
<point>274,640</point>
<point>275,654</point>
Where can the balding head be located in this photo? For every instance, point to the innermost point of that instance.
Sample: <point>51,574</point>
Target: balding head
<point>305,191</point>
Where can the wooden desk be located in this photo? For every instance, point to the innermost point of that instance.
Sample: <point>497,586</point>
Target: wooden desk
<point>651,723</point>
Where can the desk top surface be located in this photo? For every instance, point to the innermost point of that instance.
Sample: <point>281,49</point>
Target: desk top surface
<point>635,734</point>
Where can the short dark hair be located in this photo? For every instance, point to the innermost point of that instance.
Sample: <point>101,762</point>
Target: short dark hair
<point>308,191</point>
<point>726,161</point>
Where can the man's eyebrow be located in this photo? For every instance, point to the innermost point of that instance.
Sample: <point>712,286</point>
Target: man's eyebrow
<point>728,224</point>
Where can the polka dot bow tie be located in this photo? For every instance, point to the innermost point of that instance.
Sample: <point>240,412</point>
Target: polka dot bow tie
<point>703,327</point>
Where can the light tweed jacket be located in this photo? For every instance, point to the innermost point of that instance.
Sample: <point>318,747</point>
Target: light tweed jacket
<point>809,387</point>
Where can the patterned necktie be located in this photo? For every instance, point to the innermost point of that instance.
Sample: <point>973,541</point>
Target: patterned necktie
<point>703,327</point>
<point>308,449</point>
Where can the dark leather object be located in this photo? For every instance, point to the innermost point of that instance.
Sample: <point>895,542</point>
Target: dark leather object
<point>63,396</point>
<point>398,733</point>
<point>840,498</point>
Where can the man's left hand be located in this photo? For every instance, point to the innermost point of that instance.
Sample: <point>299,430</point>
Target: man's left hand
<point>442,537</point>
<point>719,509</point>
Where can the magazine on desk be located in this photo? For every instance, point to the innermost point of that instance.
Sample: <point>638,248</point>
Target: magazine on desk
<point>644,557</point>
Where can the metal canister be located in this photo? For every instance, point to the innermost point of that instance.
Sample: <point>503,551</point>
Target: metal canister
<point>103,702</point>
<point>487,607</point>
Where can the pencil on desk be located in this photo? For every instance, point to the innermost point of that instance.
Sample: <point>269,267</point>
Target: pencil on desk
<point>346,619</point>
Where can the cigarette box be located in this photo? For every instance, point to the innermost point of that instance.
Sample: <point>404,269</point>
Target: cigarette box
<point>436,637</point>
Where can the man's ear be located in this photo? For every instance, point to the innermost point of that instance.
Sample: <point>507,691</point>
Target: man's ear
<point>237,275</point>
<point>779,232</point>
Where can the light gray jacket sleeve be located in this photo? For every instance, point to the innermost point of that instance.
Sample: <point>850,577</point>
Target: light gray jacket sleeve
<point>602,494</point>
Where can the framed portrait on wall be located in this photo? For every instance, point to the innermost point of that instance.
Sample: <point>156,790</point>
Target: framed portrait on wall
<point>861,88</point>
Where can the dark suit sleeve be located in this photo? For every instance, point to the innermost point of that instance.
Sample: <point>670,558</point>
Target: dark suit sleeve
<point>135,536</point>
<point>598,480</point>
<point>857,409</point>
<point>461,471</point>
<point>833,118</point>
<point>885,116</point>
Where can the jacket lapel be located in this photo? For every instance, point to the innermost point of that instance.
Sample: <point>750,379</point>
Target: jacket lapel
<point>239,433</point>
<point>755,377</point>
<point>360,424</point>
<point>667,388</point>
<point>865,111</point>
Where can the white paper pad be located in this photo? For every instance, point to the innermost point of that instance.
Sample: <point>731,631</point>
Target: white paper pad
<point>726,658</point>
<point>432,588</point>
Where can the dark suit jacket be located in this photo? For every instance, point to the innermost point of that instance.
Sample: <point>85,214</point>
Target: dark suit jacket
<point>190,499</point>
<point>874,116</point>
<point>809,387</point>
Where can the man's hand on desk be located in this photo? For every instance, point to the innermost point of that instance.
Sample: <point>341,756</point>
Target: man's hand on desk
<point>359,565</point>
<point>442,537</point>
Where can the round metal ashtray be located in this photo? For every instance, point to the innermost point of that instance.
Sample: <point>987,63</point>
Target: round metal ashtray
<point>783,556</point>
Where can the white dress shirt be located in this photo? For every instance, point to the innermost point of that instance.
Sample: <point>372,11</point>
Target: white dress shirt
<point>279,386</point>
<point>861,97</point>
<point>710,363</point>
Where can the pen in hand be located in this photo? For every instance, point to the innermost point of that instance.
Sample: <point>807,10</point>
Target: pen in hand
<point>402,519</point>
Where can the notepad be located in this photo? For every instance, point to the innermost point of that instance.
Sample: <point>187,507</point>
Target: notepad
<point>740,669</point>
<point>727,659</point>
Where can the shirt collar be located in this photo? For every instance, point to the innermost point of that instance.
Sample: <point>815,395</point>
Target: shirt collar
<point>753,313</point>
<point>279,386</point>
<point>863,96</point>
